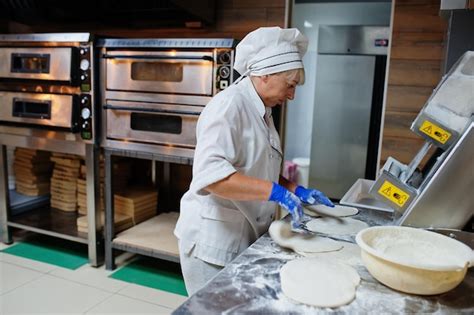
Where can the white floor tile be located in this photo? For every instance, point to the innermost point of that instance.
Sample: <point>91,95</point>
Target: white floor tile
<point>153,296</point>
<point>119,304</point>
<point>27,263</point>
<point>3,246</point>
<point>49,294</point>
<point>95,277</point>
<point>13,276</point>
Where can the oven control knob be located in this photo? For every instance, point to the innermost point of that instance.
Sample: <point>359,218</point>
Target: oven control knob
<point>224,72</point>
<point>85,113</point>
<point>83,51</point>
<point>83,76</point>
<point>84,64</point>
<point>224,57</point>
<point>84,100</point>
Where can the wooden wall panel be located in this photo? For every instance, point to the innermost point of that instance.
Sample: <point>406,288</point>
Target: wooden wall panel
<point>407,98</point>
<point>397,125</point>
<point>425,73</point>
<point>414,71</point>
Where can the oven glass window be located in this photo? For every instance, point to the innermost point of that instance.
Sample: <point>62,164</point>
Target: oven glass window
<point>31,109</point>
<point>30,63</point>
<point>157,71</point>
<point>156,123</point>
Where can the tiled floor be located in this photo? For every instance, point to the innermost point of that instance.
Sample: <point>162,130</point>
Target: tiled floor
<point>31,287</point>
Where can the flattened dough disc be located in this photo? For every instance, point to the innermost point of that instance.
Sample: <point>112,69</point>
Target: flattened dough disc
<point>337,211</point>
<point>319,282</point>
<point>338,226</point>
<point>280,232</point>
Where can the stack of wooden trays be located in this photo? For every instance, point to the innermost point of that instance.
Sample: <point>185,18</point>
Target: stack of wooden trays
<point>64,181</point>
<point>32,171</point>
<point>138,202</point>
<point>82,189</point>
<point>122,222</point>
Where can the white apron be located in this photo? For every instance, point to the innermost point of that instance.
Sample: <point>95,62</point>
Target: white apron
<point>235,133</point>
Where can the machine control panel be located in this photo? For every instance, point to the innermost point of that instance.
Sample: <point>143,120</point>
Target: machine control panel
<point>85,68</point>
<point>85,119</point>
<point>224,70</point>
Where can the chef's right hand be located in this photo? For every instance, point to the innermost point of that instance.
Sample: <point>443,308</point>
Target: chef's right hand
<point>289,201</point>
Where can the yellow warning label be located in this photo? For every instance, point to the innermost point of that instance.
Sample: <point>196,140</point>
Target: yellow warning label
<point>435,132</point>
<point>393,193</point>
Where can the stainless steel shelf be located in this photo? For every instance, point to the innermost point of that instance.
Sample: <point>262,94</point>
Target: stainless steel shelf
<point>50,222</point>
<point>112,242</point>
<point>44,219</point>
<point>145,252</point>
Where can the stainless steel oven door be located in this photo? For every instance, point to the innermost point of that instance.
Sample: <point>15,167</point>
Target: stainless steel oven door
<point>37,63</point>
<point>154,123</point>
<point>181,72</point>
<point>47,110</point>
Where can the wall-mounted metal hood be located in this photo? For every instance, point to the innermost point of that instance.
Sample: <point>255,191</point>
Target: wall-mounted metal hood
<point>122,13</point>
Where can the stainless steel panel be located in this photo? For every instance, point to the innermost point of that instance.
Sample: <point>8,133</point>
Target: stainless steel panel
<point>170,43</point>
<point>44,143</point>
<point>165,153</point>
<point>446,201</point>
<point>61,108</point>
<point>343,100</point>
<point>46,37</point>
<point>363,40</point>
<point>94,220</point>
<point>120,122</point>
<point>5,232</point>
<point>198,100</point>
<point>194,71</point>
<point>59,63</point>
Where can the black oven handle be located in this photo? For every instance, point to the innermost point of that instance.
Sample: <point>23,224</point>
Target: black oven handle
<point>152,57</point>
<point>150,110</point>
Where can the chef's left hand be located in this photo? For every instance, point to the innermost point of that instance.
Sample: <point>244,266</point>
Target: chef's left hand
<point>312,196</point>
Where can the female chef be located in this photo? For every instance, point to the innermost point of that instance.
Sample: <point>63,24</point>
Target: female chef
<point>236,182</point>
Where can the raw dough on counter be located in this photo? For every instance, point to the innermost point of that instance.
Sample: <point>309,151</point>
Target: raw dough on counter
<point>338,226</point>
<point>349,254</point>
<point>319,282</point>
<point>280,231</point>
<point>337,211</point>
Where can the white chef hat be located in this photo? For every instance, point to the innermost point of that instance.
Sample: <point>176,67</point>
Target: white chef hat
<point>270,50</point>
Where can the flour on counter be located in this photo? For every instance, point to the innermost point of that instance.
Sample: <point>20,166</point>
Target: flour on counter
<point>349,254</point>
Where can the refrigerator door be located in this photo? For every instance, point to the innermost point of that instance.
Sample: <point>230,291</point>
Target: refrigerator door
<point>341,120</point>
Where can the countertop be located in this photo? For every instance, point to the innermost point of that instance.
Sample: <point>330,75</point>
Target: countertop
<point>251,284</point>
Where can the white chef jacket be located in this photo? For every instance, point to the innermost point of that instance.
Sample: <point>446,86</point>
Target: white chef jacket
<point>235,133</point>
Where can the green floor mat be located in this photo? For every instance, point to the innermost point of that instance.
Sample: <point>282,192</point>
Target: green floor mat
<point>153,273</point>
<point>50,250</point>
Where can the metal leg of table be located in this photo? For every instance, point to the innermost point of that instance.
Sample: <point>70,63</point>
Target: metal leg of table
<point>5,231</point>
<point>109,212</point>
<point>95,238</point>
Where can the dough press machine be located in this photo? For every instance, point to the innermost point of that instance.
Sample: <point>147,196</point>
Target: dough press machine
<point>440,194</point>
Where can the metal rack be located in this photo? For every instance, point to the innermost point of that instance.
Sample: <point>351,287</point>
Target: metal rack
<point>111,243</point>
<point>45,220</point>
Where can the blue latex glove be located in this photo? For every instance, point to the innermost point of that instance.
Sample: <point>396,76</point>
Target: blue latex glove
<point>289,201</point>
<point>312,196</point>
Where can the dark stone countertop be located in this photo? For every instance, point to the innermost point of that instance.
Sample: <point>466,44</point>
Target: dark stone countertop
<point>251,285</point>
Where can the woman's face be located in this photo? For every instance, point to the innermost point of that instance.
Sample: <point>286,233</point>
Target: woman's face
<point>278,89</point>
